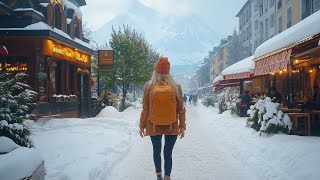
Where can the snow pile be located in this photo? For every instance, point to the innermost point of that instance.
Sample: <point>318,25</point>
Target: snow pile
<point>7,145</point>
<point>19,163</point>
<point>229,99</point>
<point>266,117</point>
<point>85,148</point>
<point>242,66</point>
<point>292,35</point>
<point>108,111</point>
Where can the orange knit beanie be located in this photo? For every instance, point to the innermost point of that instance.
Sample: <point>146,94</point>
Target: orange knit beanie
<point>162,66</point>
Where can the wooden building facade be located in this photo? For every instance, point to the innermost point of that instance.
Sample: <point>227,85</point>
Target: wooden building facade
<point>44,39</point>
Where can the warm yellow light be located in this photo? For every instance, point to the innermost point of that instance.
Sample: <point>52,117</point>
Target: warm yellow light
<point>297,61</point>
<point>76,49</point>
<point>281,71</point>
<point>310,71</point>
<point>285,70</point>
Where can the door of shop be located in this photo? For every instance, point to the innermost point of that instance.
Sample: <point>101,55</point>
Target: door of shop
<point>83,95</point>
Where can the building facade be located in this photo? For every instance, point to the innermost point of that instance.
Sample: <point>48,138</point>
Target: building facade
<point>259,20</point>
<point>44,39</point>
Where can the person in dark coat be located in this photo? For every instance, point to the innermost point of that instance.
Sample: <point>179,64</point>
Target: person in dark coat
<point>275,95</point>
<point>246,97</point>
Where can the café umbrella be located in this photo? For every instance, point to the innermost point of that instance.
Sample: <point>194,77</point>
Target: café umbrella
<point>3,51</point>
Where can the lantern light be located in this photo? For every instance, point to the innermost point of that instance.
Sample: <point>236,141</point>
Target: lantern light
<point>297,61</point>
<point>310,71</point>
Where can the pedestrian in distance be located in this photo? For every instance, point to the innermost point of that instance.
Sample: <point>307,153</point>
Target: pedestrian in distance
<point>190,99</point>
<point>163,114</point>
<point>185,99</point>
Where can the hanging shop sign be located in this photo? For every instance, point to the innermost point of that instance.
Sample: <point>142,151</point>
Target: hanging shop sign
<point>60,51</point>
<point>105,58</point>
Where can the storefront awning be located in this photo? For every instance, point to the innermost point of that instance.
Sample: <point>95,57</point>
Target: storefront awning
<point>239,70</point>
<point>225,83</point>
<point>3,51</point>
<point>217,79</point>
<point>272,63</point>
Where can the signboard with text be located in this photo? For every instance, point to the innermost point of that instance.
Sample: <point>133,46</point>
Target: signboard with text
<point>106,59</point>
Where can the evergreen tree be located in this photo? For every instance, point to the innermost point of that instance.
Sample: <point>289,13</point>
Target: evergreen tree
<point>15,103</point>
<point>134,60</point>
<point>236,52</point>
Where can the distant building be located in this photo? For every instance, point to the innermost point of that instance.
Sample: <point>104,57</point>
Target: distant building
<point>44,39</point>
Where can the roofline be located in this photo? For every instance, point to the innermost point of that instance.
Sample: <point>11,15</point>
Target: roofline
<point>5,9</point>
<point>45,33</point>
<point>245,5</point>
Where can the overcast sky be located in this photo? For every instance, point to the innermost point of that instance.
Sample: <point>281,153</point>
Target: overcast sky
<point>220,14</point>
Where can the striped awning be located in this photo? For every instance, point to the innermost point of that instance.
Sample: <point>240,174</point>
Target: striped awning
<point>273,63</point>
<point>243,75</point>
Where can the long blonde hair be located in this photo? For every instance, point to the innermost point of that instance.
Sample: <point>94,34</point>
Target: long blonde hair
<point>157,77</point>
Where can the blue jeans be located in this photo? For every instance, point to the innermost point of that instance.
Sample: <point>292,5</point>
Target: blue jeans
<point>170,140</point>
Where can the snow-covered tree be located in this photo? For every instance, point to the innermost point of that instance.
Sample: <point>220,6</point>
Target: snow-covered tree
<point>16,101</point>
<point>132,63</point>
<point>265,116</point>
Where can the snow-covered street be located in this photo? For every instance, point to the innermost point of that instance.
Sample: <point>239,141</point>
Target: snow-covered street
<point>215,147</point>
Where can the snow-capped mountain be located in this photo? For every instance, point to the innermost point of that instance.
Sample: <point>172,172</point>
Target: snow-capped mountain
<point>184,39</point>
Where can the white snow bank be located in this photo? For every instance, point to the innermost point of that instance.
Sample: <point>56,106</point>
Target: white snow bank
<point>84,148</point>
<point>108,111</point>
<point>242,66</point>
<point>19,163</point>
<point>277,157</point>
<point>7,145</point>
<point>219,78</point>
<point>304,29</point>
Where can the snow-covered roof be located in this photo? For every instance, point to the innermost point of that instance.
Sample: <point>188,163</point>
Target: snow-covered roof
<point>242,66</point>
<point>304,29</point>
<point>70,5</point>
<point>44,26</point>
<point>218,78</point>
<point>29,9</point>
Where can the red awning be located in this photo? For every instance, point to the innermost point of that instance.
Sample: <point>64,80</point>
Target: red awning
<point>272,63</point>
<point>3,51</point>
<point>243,75</point>
<point>225,83</point>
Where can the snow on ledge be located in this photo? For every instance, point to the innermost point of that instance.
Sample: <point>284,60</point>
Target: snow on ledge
<point>29,9</point>
<point>219,78</point>
<point>242,66</point>
<point>304,29</point>
<point>105,48</point>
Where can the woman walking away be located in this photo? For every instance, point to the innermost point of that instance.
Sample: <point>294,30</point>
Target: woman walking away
<point>163,114</point>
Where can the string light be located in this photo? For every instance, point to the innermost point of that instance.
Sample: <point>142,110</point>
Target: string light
<point>310,71</point>
<point>297,61</point>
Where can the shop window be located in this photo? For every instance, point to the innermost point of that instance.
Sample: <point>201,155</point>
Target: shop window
<point>42,80</point>
<point>72,79</point>
<point>14,64</point>
<point>58,78</point>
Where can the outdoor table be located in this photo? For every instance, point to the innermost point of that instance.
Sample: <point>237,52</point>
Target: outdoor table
<point>295,117</point>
